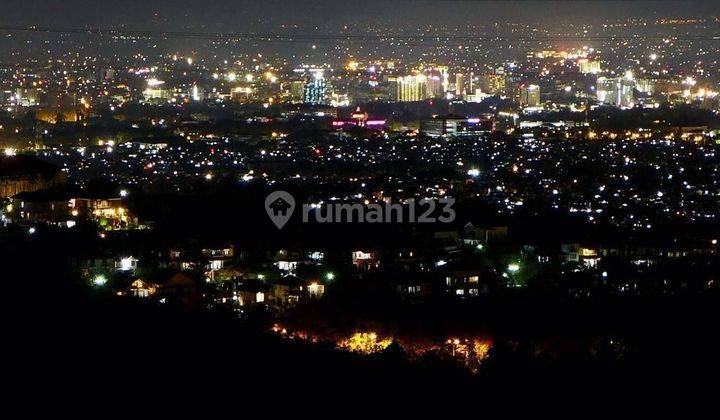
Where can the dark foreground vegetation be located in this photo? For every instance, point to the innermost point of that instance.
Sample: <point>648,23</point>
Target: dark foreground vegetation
<point>65,332</point>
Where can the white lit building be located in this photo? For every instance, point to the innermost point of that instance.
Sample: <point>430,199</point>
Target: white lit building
<point>409,88</point>
<point>589,66</point>
<point>529,95</point>
<point>315,90</point>
<point>616,91</point>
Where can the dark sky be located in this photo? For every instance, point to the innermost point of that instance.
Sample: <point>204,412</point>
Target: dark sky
<point>239,14</point>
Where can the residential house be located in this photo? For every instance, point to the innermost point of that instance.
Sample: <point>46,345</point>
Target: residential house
<point>290,290</point>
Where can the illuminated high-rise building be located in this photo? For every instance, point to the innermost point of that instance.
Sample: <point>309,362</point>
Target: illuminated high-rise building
<point>605,89</point>
<point>315,90</point>
<point>106,74</point>
<point>197,93</point>
<point>435,86</point>
<point>529,95</point>
<point>445,76</point>
<point>26,97</point>
<point>297,90</point>
<point>156,91</point>
<point>460,85</point>
<point>492,84</point>
<point>409,88</point>
<point>616,91</point>
<point>589,66</point>
<point>645,86</point>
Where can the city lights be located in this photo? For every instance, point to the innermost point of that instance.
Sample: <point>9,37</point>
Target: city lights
<point>375,189</point>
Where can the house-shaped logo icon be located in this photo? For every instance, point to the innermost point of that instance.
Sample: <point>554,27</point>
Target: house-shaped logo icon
<point>280,206</point>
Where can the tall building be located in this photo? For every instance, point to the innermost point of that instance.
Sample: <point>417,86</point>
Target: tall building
<point>460,87</point>
<point>589,66</point>
<point>445,75</point>
<point>645,86</point>
<point>529,95</point>
<point>435,86</point>
<point>151,94</point>
<point>477,96</point>
<point>315,90</point>
<point>27,96</point>
<point>409,88</point>
<point>451,125</point>
<point>492,84</point>
<point>297,90</point>
<point>106,74</point>
<point>616,91</point>
<point>197,93</point>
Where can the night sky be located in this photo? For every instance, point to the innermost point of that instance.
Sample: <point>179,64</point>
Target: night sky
<point>245,14</point>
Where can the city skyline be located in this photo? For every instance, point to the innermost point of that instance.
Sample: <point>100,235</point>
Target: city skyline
<point>444,194</point>
<point>230,15</point>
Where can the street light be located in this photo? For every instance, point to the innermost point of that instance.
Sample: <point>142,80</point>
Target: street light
<point>100,280</point>
<point>513,268</point>
<point>330,276</point>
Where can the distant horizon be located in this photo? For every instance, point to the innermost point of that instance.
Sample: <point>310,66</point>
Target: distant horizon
<point>241,15</point>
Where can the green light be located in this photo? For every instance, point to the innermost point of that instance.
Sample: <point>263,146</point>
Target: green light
<point>480,247</point>
<point>99,280</point>
<point>330,276</point>
<point>513,268</point>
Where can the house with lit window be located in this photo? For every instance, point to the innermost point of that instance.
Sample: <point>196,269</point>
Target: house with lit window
<point>412,259</point>
<point>243,293</point>
<point>289,290</point>
<point>183,258</point>
<point>142,289</point>
<point>218,257</point>
<point>474,235</point>
<point>413,284</point>
<point>465,279</point>
<point>365,260</point>
<point>464,283</point>
<point>577,253</point>
<point>251,293</point>
<point>209,258</point>
<point>109,211</point>
<point>127,264</point>
<point>96,264</point>
<point>44,206</point>
<point>288,260</point>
